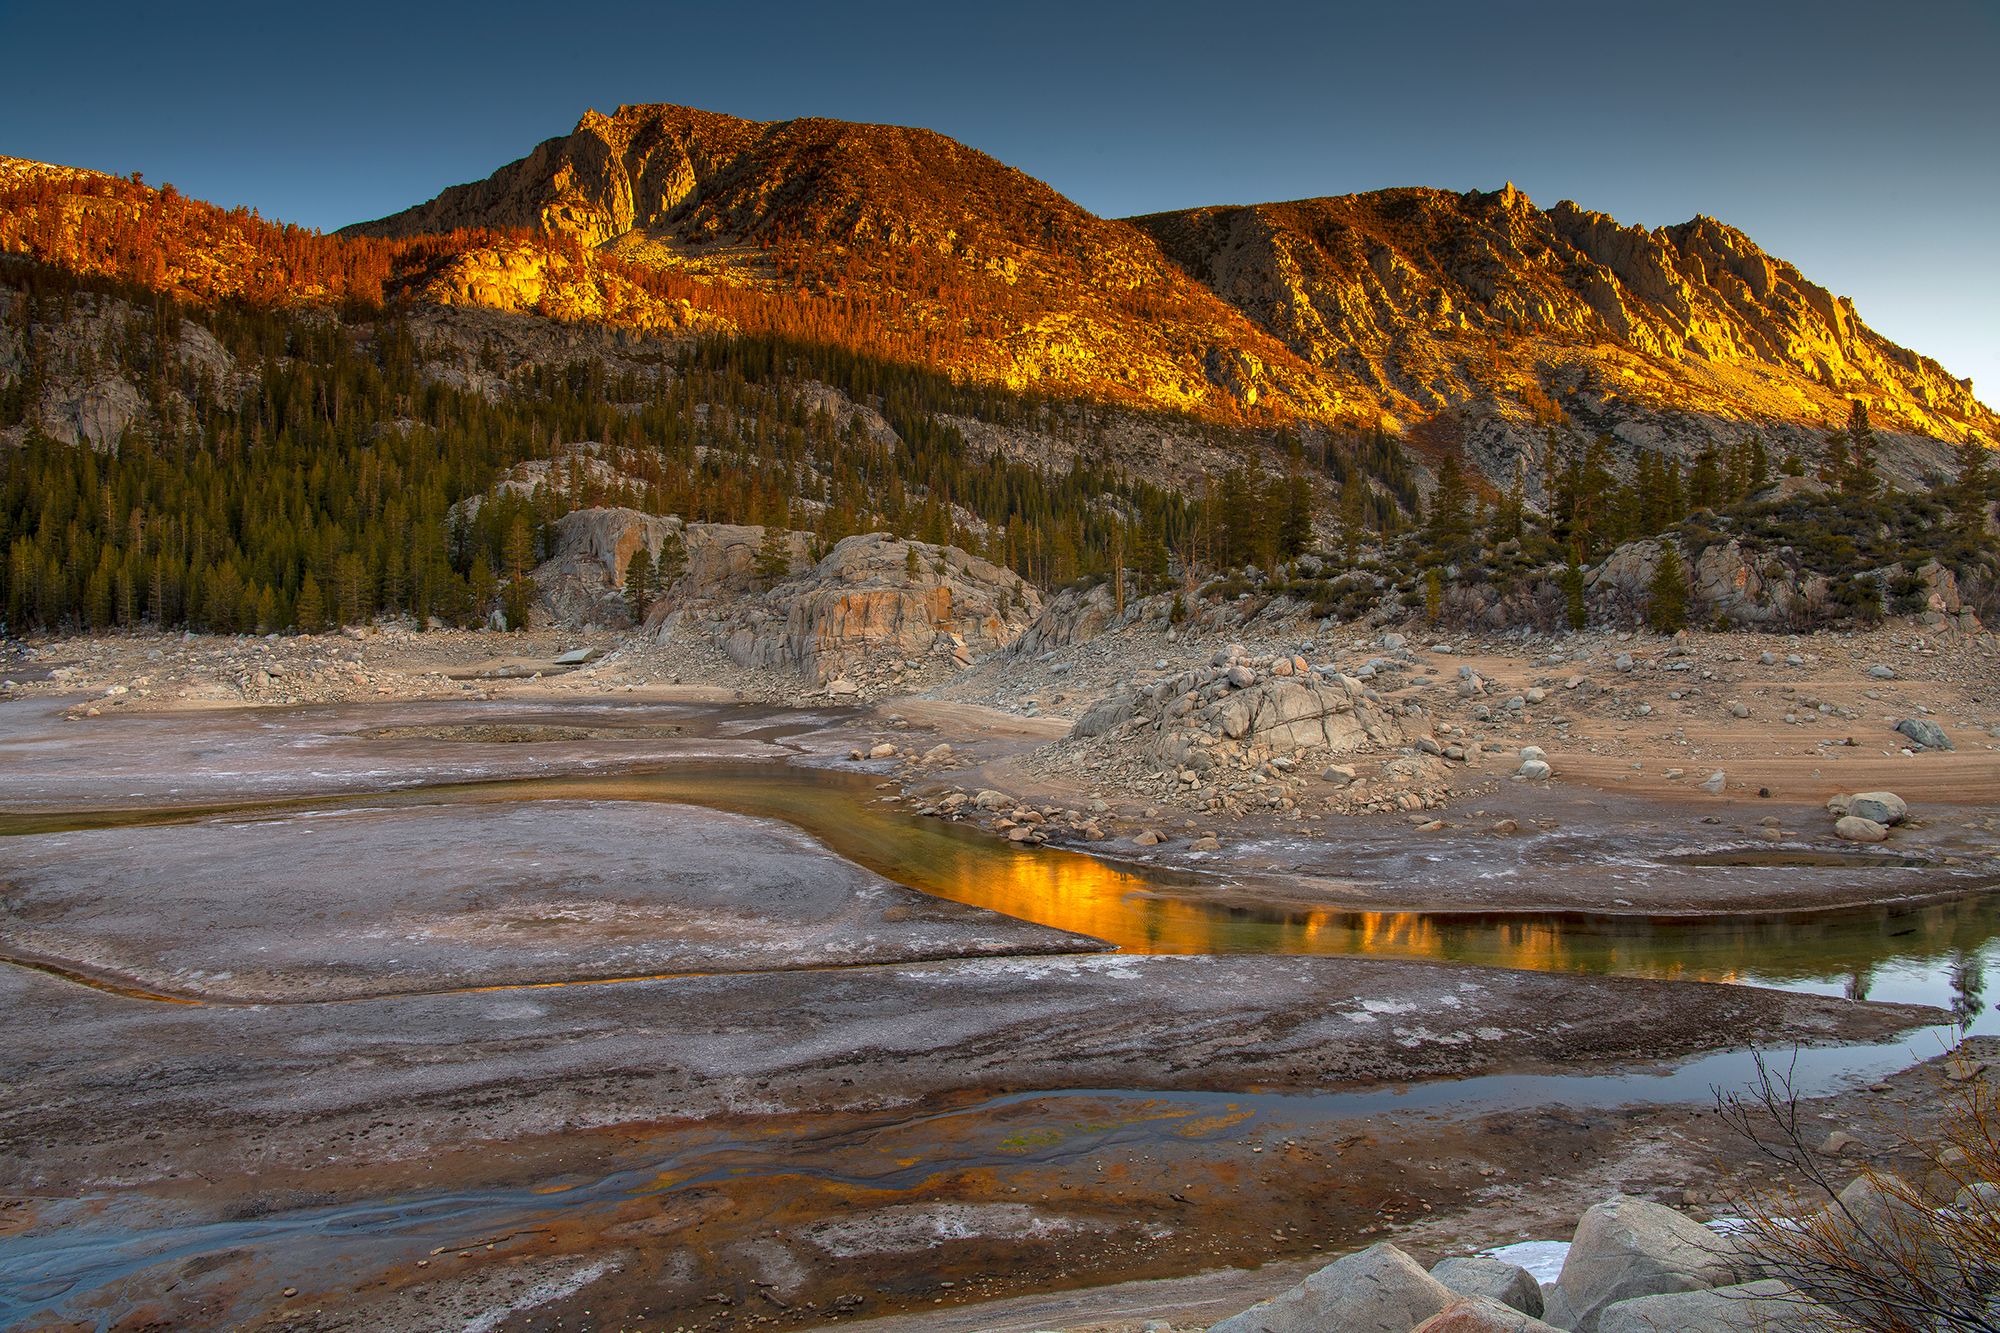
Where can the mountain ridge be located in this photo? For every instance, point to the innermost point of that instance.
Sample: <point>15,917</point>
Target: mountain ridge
<point>1391,286</point>
<point>1413,305</point>
<point>942,242</point>
<point>1471,321</point>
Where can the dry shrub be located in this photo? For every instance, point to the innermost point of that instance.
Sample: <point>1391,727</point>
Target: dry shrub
<point>1865,1248</point>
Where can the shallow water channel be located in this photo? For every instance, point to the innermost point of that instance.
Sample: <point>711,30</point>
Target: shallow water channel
<point>1939,952</point>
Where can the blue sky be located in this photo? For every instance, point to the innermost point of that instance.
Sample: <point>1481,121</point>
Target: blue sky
<point>1860,141</point>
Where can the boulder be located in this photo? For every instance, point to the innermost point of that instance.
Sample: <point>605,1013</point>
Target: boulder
<point>1881,1213</point>
<point>1494,1279</point>
<point>1769,1306</point>
<point>1111,711</point>
<point>1289,712</point>
<point>1884,807</point>
<point>1535,770</point>
<point>1853,828</point>
<point>1925,734</point>
<point>1728,583</point>
<point>1377,1290</point>
<point>1715,782</point>
<point>1626,1248</point>
<point>1479,1314</point>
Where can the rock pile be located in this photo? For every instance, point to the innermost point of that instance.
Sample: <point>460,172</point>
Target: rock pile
<point>1250,729</point>
<point>1633,1267</point>
<point>1867,816</point>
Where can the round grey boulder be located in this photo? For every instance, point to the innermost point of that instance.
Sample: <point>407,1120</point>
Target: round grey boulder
<point>1853,828</point>
<point>1884,807</point>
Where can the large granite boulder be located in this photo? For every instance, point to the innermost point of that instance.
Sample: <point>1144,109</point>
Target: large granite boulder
<point>1494,1279</point>
<point>1768,1306</point>
<point>1626,1248</point>
<point>1377,1290</point>
<point>1480,1314</point>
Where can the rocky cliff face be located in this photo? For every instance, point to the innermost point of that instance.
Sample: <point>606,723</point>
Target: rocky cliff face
<point>84,397</point>
<point>1486,309</point>
<point>527,278</point>
<point>873,598</point>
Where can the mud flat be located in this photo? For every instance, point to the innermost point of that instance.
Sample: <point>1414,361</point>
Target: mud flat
<point>127,1107</point>
<point>404,1049</point>
<point>352,903</point>
<point>189,758</point>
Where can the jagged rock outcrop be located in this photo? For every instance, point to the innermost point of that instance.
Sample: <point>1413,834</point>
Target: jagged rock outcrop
<point>583,580</point>
<point>1731,583</point>
<point>1499,315</point>
<point>876,596</point>
<point>532,278</point>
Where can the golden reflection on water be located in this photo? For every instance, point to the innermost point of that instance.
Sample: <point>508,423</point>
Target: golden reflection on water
<point>1147,910</point>
<point>1152,910</point>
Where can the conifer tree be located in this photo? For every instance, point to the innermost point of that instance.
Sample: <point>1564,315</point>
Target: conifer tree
<point>671,562</point>
<point>1860,476</point>
<point>1705,487</point>
<point>1448,531</point>
<point>639,584</point>
<point>311,608</point>
<point>482,586</point>
<point>1972,492</point>
<point>1667,595</point>
<point>1574,607</point>
<point>774,557</point>
<point>1296,526</point>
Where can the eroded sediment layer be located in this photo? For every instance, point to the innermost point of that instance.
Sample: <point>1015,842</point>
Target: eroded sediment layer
<point>96,1074</point>
<point>344,904</point>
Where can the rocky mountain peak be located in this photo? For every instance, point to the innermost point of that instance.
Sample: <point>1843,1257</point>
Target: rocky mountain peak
<point>1489,306</point>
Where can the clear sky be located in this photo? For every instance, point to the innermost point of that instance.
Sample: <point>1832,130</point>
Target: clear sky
<point>1859,140</point>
